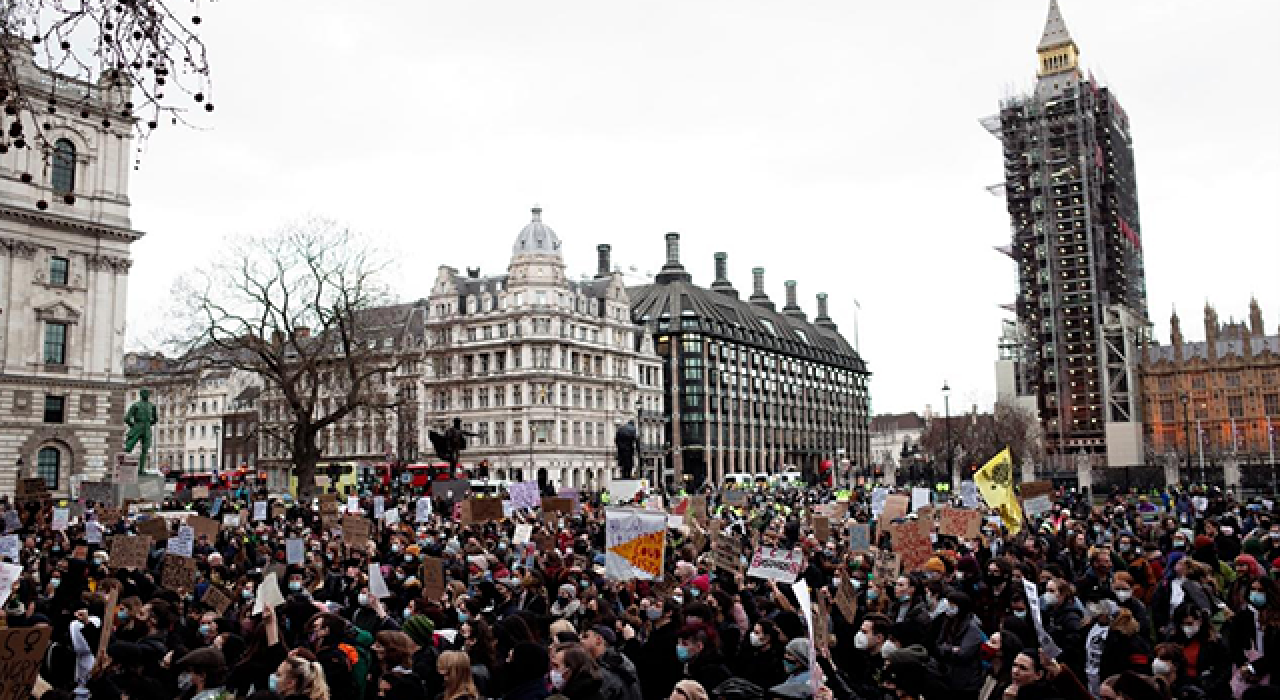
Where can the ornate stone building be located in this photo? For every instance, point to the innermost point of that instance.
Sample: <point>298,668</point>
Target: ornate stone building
<point>1214,401</point>
<point>542,368</point>
<point>64,272</point>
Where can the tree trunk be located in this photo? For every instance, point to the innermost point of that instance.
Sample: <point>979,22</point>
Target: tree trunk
<point>305,457</point>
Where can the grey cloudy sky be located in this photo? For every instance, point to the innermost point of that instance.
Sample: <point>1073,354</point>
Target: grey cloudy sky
<point>832,142</point>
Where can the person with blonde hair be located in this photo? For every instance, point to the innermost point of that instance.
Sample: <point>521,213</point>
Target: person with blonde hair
<point>299,678</point>
<point>455,669</point>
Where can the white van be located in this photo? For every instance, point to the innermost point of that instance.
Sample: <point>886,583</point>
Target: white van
<point>489,487</point>
<point>740,479</point>
<point>790,479</point>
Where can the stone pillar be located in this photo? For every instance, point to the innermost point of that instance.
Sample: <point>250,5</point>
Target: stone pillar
<point>1028,471</point>
<point>1171,465</point>
<point>1231,474</point>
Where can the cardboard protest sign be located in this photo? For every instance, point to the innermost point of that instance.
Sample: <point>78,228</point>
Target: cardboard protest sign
<point>432,578</point>
<point>155,528</point>
<point>205,527</point>
<point>859,537</point>
<point>183,544</point>
<point>30,490</point>
<point>776,564</point>
<point>200,493</point>
<point>960,522</point>
<point>525,494</point>
<point>896,506</point>
<point>1034,489</point>
<point>847,599</point>
<point>557,505</point>
<point>130,552</point>
<point>635,544</point>
<point>887,565</point>
<point>697,512</point>
<point>485,509</point>
<point>355,530</point>
<point>914,545</point>
<point>21,653</point>
<point>278,511</point>
<point>216,598</point>
<point>726,552</point>
<point>571,494</point>
<point>821,527</point>
<point>178,573</point>
<point>294,550</point>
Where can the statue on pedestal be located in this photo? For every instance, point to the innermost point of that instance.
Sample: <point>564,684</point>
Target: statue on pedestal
<point>451,443</point>
<point>627,440</point>
<point>140,418</point>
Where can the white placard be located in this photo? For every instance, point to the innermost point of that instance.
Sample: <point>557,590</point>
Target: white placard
<point>424,510</point>
<point>231,520</point>
<point>10,546</point>
<point>9,573</point>
<point>268,594</point>
<point>674,522</point>
<point>377,586</point>
<point>1037,506</point>
<point>294,550</point>
<point>969,494</point>
<point>878,497</point>
<point>379,507</point>
<point>93,532</point>
<point>259,510</point>
<point>776,564</point>
<point>1033,604</point>
<point>183,543</point>
<point>801,590</point>
<point>391,517</point>
<point>920,497</point>
<point>60,518</point>
<point>353,505</point>
<point>523,534</point>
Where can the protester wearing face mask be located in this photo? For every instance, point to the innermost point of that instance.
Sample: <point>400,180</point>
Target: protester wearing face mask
<point>1208,659</point>
<point>795,661</point>
<point>1122,587</point>
<point>997,655</point>
<point>1247,571</point>
<point>698,651</point>
<point>566,605</point>
<point>959,642</point>
<point>201,674</point>
<point>760,660</point>
<point>662,668</point>
<point>1254,637</point>
<point>869,642</point>
<point>369,614</point>
<point>1063,620</point>
<point>1173,591</point>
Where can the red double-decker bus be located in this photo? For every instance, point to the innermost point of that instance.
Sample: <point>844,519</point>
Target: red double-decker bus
<point>425,474</point>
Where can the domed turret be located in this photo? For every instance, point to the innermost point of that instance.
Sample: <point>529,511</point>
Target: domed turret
<point>537,238</point>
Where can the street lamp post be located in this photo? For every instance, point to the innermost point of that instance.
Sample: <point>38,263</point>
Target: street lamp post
<point>1186,426</point>
<point>946,410</point>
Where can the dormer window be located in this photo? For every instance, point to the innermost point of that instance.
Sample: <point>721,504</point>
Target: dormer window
<point>64,166</point>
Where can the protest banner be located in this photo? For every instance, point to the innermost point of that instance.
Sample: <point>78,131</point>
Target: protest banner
<point>960,522</point>
<point>635,541</point>
<point>153,527</point>
<point>294,550</point>
<point>178,573</point>
<point>21,653</point>
<point>485,509</point>
<point>525,494</point>
<point>776,564</point>
<point>183,544</point>
<point>205,527</point>
<point>432,578</point>
<point>821,527</point>
<point>130,552</point>
<point>847,599</point>
<point>216,598</point>
<point>859,537</point>
<point>557,505</point>
<point>9,574</point>
<point>355,530</point>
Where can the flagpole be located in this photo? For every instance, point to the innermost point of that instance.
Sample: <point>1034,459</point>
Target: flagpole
<point>1271,451</point>
<point>1200,449</point>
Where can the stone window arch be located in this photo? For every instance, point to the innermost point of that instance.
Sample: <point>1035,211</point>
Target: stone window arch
<point>49,462</point>
<point>63,174</point>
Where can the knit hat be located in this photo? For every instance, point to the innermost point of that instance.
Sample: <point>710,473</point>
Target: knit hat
<point>606,634</point>
<point>935,565</point>
<point>420,630</point>
<point>1203,541</point>
<point>799,648</point>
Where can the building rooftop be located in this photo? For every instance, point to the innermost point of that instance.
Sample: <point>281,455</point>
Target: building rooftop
<point>895,422</point>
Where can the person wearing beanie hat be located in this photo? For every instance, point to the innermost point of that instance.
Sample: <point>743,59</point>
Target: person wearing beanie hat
<point>795,661</point>
<point>935,567</point>
<point>421,630</point>
<point>620,679</point>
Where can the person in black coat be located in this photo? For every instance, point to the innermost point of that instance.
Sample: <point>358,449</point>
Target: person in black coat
<point>575,675</point>
<point>1064,622</point>
<point>1125,649</point>
<point>760,660</point>
<point>661,668</point>
<point>1208,659</point>
<point>699,650</point>
<point>1260,617</point>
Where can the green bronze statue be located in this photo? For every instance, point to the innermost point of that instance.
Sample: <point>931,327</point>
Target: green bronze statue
<point>140,418</point>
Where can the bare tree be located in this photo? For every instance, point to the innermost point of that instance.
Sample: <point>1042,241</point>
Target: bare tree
<point>977,437</point>
<point>299,308</point>
<point>134,61</point>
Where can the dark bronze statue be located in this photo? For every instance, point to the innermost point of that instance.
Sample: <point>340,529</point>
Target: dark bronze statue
<point>627,441</point>
<point>451,443</point>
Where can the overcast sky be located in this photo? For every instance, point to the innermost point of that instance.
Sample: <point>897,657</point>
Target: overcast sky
<point>832,142</point>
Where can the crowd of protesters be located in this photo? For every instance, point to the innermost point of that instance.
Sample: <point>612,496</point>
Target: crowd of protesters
<point>1139,598</point>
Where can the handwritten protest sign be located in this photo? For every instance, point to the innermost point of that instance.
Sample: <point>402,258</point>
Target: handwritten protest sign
<point>969,494</point>
<point>821,527</point>
<point>231,519</point>
<point>847,600</point>
<point>259,510</point>
<point>355,530</point>
<point>10,547</point>
<point>523,532</point>
<point>525,494</point>
<point>205,527</point>
<point>216,598</point>
<point>183,544</point>
<point>423,511</point>
<point>178,573</point>
<point>155,528</point>
<point>895,506</point>
<point>21,653</point>
<point>886,565</point>
<point>859,537</point>
<point>914,545</point>
<point>432,578</point>
<point>635,541</point>
<point>294,550</point>
<point>960,522</point>
<point>391,516</point>
<point>379,507</point>
<point>60,518</point>
<point>557,505</point>
<point>485,509</point>
<point>776,564</point>
<point>130,552</point>
<point>726,552</point>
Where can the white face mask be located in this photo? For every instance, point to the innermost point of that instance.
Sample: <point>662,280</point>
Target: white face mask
<point>860,640</point>
<point>1050,599</point>
<point>1124,596</point>
<point>756,640</point>
<point>1161,667</point>
<point>1190,630</point>
<point>888,648</point>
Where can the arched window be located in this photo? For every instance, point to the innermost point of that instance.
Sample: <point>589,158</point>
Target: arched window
<point>48,462</point>
<point>64,166</point>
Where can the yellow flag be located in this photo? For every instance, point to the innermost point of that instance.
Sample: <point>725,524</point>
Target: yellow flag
<point>995,483</point>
